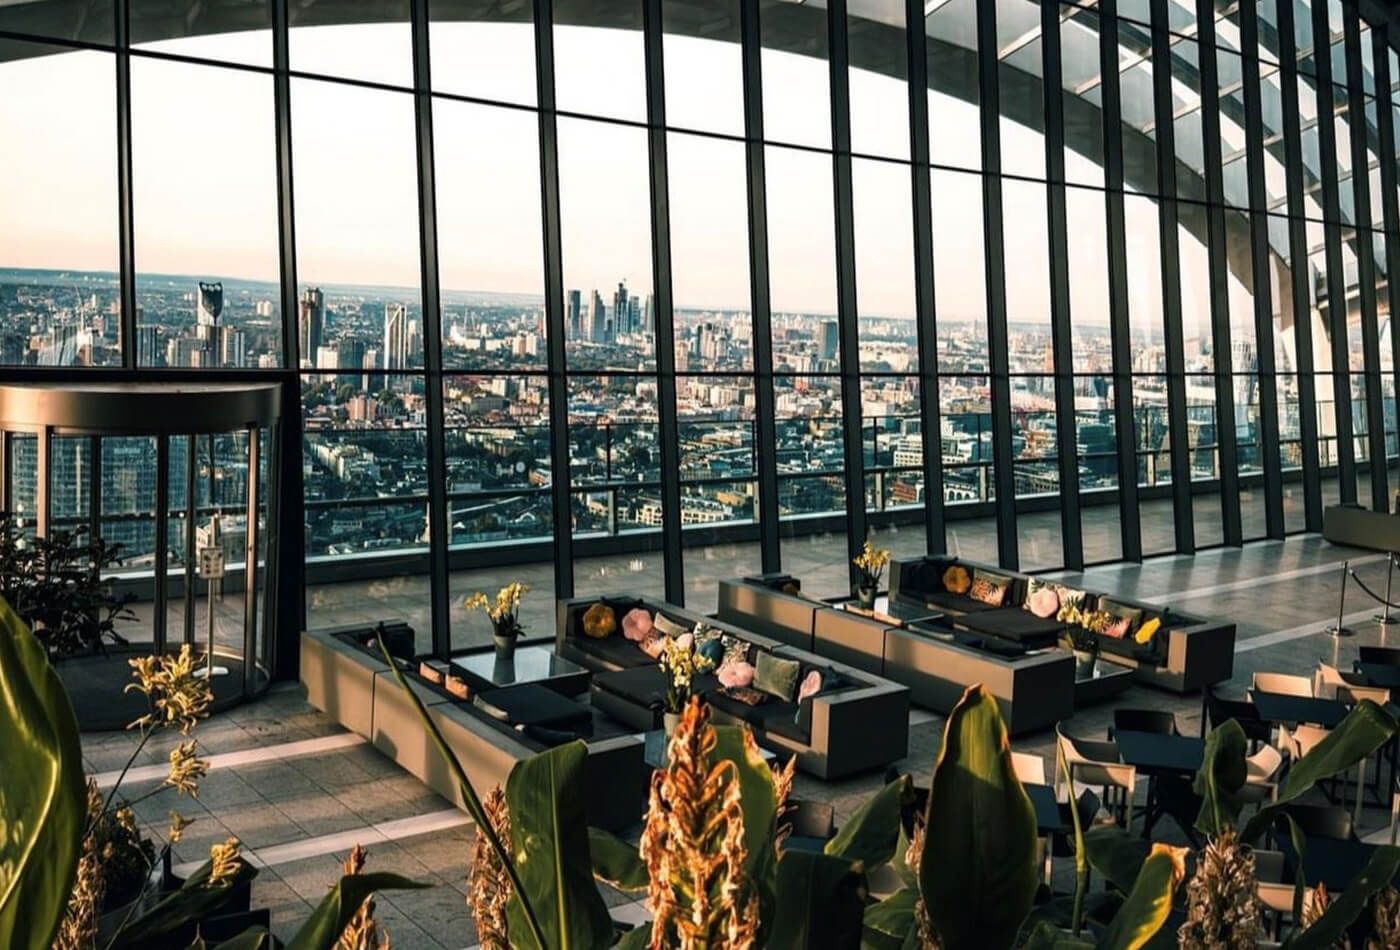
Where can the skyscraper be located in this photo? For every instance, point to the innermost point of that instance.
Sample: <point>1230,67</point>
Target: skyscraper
<point>396,336</point>
<point>597,319</point>
<point>232,348</point>
<point>311,324</point>
<point>575,314</point>
<point>148,352</point>
<point>622,311</point>
<point>209,304</point>
<point>829,338</point>
<point>350,355</point>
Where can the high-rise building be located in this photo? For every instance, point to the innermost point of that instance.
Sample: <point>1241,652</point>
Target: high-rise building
<point>148,350</point>
<point>209,303</point>
<point>621,310</point>
<point>350,354</point>
<point>311,324</point>
<point>575,314</point>
<point>232,348</point>
<point>396,336</point>
<point>597,319</point>
<point>327,356</point>
<point>829,339</point>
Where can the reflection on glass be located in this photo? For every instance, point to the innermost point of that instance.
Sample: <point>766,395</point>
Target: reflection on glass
<point>206,234</point>
<point>331,38</point>
<point>236,31</point>
<point>60,302</point>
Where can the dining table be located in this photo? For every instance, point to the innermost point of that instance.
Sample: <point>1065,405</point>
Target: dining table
<point>1170,762</point>
<point>1284,709</point>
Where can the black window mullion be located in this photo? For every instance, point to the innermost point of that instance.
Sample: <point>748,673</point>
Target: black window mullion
<point>1169,235</point>
<point>1219,279</point>
<point>1365,260</point>
<point>126,228</point>
<point>765,402</point>
<point>994,248</point>
<point>931,421</point>
<point>848,315</point>
<point>1119,328</point>
<point>663,312</point>
<point>554,301</point>
<point>1390,206</point>
<point>1061,334</point>
<point>1298,270</point>
<point>1268,435</point>
<point>1336,272</point>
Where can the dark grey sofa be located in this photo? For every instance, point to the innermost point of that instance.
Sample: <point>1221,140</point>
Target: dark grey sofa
<point>860,725</point>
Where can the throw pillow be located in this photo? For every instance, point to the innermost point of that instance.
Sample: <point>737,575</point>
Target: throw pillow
<point>777,676</point>
<point>636,625</point>
<point>668,627</point>
<point>599,621</point>
<point>811,686</point>
<point>430,673</point>
<point>735,650</point>
<point>735,674</point>
<point>956,580</point>
<point>1121,612</point>
<point>713,651</point>
<point>1148,630</point>
<point>1043,603</point>
<point>1117,628</point>
<point>747,695</point>
<point>989,588</point>
<point>653,645</point>
<point>457,687</point>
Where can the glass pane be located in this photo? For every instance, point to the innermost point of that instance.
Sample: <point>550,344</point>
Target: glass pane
<point>1021,88</point>
<point>796,74</point>
<point>884,232</point>
<point>954,111</point>
<point>878,77</point>
<point>704,65</point>
<point>482,49</point>
<point>237,31</point>
<point>600,59</point>
<point>959,266</point>
<point>329,37</point>
<point>802,261</point>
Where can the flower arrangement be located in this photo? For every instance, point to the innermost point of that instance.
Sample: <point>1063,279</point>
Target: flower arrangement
<point>871,562</point>
<point>504,613</point>
<point>680,662</point>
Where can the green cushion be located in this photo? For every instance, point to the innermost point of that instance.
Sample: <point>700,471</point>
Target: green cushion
<point>776,676</point>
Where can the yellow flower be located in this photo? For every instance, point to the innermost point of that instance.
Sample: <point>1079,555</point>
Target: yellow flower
<point>506,604</point>
<point>178,824</point>
<point>176,696</point>
<point>872,560</point>
<point>186,770</point>
<point>225,861</point>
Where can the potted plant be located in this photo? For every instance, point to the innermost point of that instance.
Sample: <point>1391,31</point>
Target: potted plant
<point>679,662</point>
<point>504,614</point>
<point>1085,645</point>
<point>871,563</point>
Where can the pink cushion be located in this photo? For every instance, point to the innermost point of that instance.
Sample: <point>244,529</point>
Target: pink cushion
<point>1044,603</point>
<point>811,686</point>
<point>637,625</point>
<point>735,674</point>
<point>1118,629</point>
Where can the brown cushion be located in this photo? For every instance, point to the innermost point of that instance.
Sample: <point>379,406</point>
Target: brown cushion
<point>957,580</point>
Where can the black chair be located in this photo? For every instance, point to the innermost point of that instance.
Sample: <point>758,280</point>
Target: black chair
<point>1156,721</point>
<point>813,825</point>
<point>1386,656</point>
<point>1220,711</point>
<point>1323,821</point>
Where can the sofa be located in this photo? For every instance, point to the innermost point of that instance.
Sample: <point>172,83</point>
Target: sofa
<point>857,722</point>
<point>771,605</point>
<point>348,680</point>
<point>1186,654</point>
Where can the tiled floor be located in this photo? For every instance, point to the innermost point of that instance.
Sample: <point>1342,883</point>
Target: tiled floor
<point>300,807</point>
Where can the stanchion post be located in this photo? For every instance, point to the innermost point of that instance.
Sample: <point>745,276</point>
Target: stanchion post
<point>1339,629</point>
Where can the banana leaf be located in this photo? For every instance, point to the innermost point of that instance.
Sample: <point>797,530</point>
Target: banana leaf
<point>1329,929</point>
<point>872,833</point>
<point>1365,729</point>
<point>759,800</point>
<point>327,922</point>
<point>43,801</point>
<point>255,939</point>
<point>638,938</point>
<point>549,839</point>
<point>979,874</point>
<point>193,901</point>
<point>1149,903</point>
<point>821,900</point>
<point>1116,854</point>
<point>615,862</point>
<point>1221,776</point>
<point>890,921</point>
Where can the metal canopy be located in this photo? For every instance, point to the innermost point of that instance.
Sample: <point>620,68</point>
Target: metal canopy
<point>139,408</point>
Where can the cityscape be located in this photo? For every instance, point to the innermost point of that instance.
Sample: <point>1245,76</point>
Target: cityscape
<point>364,413</point>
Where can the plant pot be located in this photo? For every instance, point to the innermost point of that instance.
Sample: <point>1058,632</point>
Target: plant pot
<point>505,646</point>
<point>1084,664</point>
<point>669,722</point>
<point>865,597</point>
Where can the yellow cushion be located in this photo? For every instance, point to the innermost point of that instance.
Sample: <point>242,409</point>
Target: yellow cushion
<point>956,579</point>
<point>599,621</point>
<point>1149,627</point>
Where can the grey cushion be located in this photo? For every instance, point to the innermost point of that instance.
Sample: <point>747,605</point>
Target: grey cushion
<point>615,650</point>
<point>776,676</point>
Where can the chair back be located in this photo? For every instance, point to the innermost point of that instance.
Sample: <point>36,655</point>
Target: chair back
<point>1299,741</point>
<point>1263,765</point>
<point>1323,821</point>
<point>1326,681</point>
<point>1287,684</point>
<point>1029,769</point>
<point>1093,761</point>
<point>1388,656</point>
<point>1158,721</point>
<point>811,819</point>
<point>1220,710</point>
<point>1355,694</point>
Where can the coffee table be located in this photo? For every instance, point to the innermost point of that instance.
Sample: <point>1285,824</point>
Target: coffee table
<point>1108,680</point>
<point>531,664</point>
<point>889,612</point>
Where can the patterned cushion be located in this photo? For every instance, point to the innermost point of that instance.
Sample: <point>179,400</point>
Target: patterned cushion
<point>747,695</point>
<point>652,646</point>
<point>956,580</point>
<point>989,588</point>
<point>1118,628</point>
<point>599,621</point>
<point>736,674</point>
<point>668,627</point>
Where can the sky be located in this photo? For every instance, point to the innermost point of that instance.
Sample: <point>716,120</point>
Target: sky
<point>205,176</point>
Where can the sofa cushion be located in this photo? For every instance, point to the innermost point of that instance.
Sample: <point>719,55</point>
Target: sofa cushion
<point>990,588</point>
<point>956,579</point>
<point>614,651</point>
<point>530,704</point>
<point>573,622</point>
<point>1013,623</point>
<point>776,675</point>
<point>646,685</point>
<point>957,603</point>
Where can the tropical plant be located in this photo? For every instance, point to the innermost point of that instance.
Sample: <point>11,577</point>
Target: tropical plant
<point>56,587</point>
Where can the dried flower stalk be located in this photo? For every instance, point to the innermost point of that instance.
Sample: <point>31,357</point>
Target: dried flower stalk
<point>78,928</point>
<point>1386,935</point>
<point>362,932</point>
<point>1222,901</point>
<point>225,862</point>
<point>693,845</point>
<point>488,885</point>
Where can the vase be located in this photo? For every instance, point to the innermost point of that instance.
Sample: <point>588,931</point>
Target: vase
<point>865,596</point>
<point>1084,664</point>
<point>505,646</point>
<point>669,722</point>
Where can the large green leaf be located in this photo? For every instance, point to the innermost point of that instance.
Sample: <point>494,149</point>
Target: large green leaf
<point>549,842</point>
<point>1149,903</point>
<point>820,902</point>
<point>758,797</point>
<point>979,873</point>
<point>1046,936</point>
<point>1116,854</point>
<point>1327,931</point>
<point>872,833</point>
<point>255,939</point>
<point>891,920</point>
<point>43,802</point>
<point>1221,776</point>
<point>615,862</point>
<point>638,938</point>
<point>1365,729</point>
<point>193,901</point>
<point>327,922</point>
